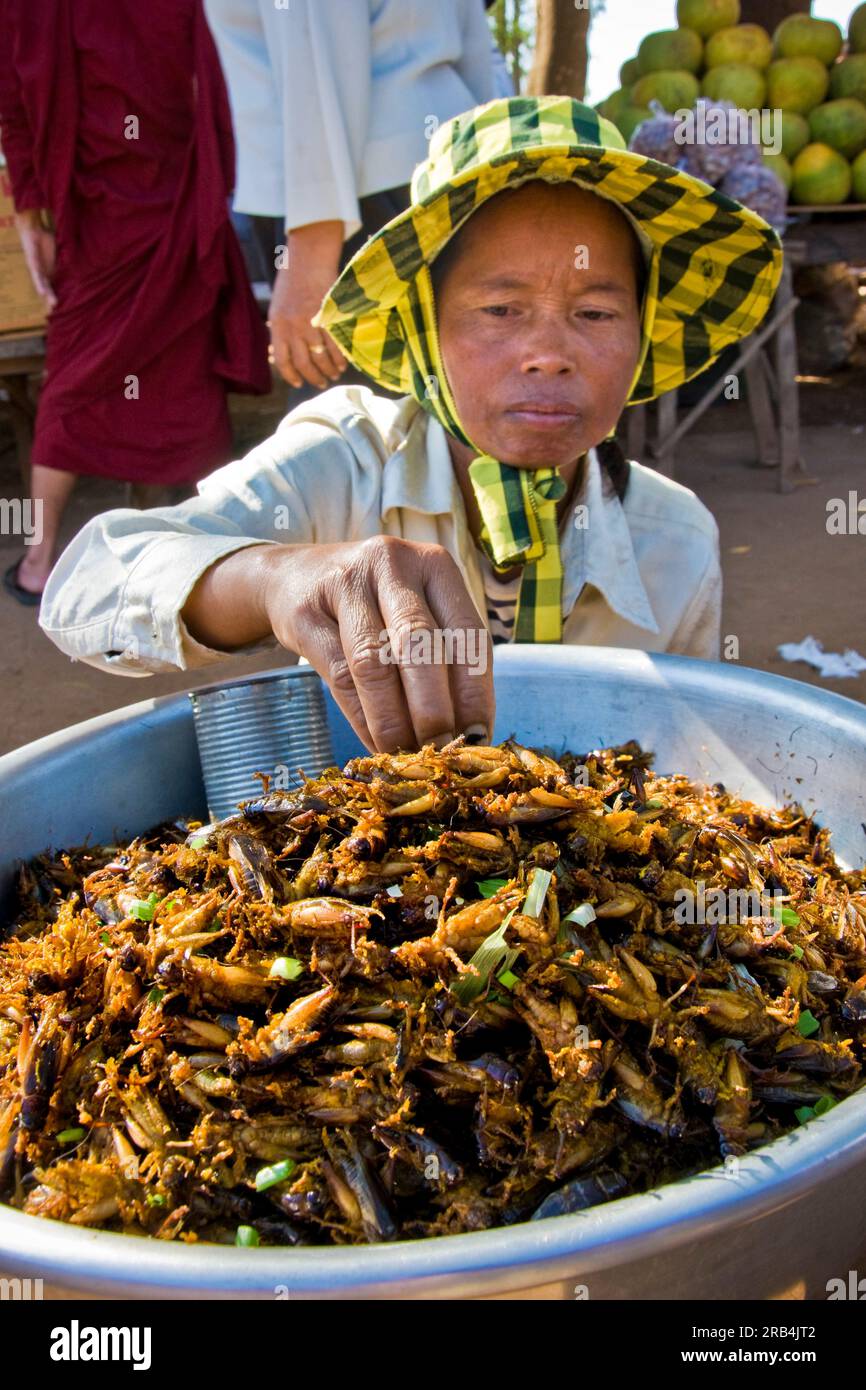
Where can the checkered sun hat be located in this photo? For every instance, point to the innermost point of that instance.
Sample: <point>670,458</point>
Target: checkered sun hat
<point>713,265</point>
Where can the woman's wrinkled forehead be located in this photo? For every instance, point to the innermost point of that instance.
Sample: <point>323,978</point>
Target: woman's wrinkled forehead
<point>641,246</point>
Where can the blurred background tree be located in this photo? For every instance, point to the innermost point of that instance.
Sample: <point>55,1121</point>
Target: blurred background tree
<point>546,43</point>
<point>513,33</point>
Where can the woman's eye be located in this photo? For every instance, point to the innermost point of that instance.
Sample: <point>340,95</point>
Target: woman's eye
<point>497,310</point>
<point>596,315</point>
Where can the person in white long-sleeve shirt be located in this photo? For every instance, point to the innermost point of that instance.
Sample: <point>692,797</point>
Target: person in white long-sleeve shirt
<point>334,102</point>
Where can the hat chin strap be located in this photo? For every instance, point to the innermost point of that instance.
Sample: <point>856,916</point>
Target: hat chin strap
<point>519,527</point>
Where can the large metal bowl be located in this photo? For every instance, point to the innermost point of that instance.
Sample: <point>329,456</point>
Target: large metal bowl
<point>793,1215</point>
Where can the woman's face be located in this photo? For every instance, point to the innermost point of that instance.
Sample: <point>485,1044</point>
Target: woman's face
<point>539,322</point>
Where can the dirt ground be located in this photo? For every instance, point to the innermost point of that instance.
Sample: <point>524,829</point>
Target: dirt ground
<point>785,576</point>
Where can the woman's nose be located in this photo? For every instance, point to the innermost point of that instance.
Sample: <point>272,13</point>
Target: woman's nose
<point>548,345</point>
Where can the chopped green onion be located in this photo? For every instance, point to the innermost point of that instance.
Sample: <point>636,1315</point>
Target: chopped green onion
<point>537,892</point>
<point>286,968</point>
<point>155,995</point>
<point>276,1172</point>
<point>797,952</point>
<point>246,1235</point>
<point>156,1199</point>
<point>395,891</point>
<point>508,979</point>
<point>199,843</point>
<point>173,903</point>
<point>71,1136</point>
<point>786,915</point>
<point>804,1114</point>
<point>488,886</point>
<point>144,910</point>
<point>492,955</point>
<point>582,915</point>
<point>824,1104</point>
<point>105,938</point>
<point>653,805</point>
<point>807,1023</point>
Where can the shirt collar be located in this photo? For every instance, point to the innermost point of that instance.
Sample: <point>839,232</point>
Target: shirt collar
<point>419,476</point>
<point>418,473</point>
<point>597,549</point>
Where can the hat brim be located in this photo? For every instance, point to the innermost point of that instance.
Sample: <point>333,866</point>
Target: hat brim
<point>717,267</point>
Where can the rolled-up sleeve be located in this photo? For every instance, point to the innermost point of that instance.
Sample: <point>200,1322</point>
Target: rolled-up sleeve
<point>115,597</point>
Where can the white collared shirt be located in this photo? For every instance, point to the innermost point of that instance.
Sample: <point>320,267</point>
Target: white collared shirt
<point>351,464</point>
<point>334,99</point>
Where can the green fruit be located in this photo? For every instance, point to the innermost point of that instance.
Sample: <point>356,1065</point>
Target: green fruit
<point>848,78</point>
<point>780,167</point>
<point>796,84</point>
<point>841,125</point>
<point>857,30</point>
<point>706,17</point>
<point>735,82</point>
<point>742,43</point>
<point>630,119</point>
<point>676,91</point>
<point>629,73</point>
<point>613,106</point>
<point>821,177</point>
<point>800,36</point>
<point>670,50</point>
<point>858,175</point>
<point>794,134</point>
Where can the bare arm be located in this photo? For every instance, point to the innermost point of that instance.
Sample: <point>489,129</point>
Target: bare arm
<point>354,611</point>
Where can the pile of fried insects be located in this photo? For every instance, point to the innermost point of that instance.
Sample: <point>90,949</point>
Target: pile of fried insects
<point>435,992</point>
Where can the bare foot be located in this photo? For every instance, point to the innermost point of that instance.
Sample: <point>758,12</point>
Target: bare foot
<point>33,570</point>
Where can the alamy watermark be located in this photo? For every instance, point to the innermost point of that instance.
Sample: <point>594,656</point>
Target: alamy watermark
<point>714,125</point>
<point>22,516</point>
<point>438,646</point>
<point>716,906</point>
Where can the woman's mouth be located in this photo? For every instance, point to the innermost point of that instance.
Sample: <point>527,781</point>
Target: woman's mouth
<point>544,415</point>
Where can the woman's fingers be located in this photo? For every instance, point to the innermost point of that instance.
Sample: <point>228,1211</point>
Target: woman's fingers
<point>324,651</point>
<point>471,665</point>
<point>280,355</point>
<point>390,627</point>
<point>418,649</point>
<point>311,357</point>
<point>346,648</point>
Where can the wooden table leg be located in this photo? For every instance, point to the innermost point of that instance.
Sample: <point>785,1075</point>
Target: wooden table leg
<point>790,462</point>
<point>666,422</point>
<point>761,411</point>
<point>635,432</point>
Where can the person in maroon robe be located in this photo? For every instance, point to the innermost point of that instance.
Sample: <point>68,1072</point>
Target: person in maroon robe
<point>116,129</point>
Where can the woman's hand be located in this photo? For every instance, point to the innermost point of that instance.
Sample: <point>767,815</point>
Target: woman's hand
<point>40,251</point>
<point>388,625</point>
<point>300,351</point>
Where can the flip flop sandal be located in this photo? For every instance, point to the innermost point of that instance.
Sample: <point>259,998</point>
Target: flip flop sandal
<point>20,594</point>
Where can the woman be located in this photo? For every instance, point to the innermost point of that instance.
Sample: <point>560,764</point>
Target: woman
<point>569,276</point>
<point>115,125</point>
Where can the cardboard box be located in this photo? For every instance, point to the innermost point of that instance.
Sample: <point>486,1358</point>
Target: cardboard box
<point>20,305</point>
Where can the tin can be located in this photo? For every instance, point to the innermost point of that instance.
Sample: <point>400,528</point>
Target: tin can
<point>275,724</point>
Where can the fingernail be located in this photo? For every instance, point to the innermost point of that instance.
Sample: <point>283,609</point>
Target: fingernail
<point>476,733</point>
<point>441,739</point>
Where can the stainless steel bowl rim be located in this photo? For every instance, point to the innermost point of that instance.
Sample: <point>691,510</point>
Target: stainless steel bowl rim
<point>603,1237</point>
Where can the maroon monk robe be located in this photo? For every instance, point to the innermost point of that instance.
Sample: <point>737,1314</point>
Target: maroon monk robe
<point>115,118</point>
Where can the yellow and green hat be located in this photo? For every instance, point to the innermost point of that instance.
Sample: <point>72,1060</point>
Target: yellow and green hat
<point>713,268</point>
